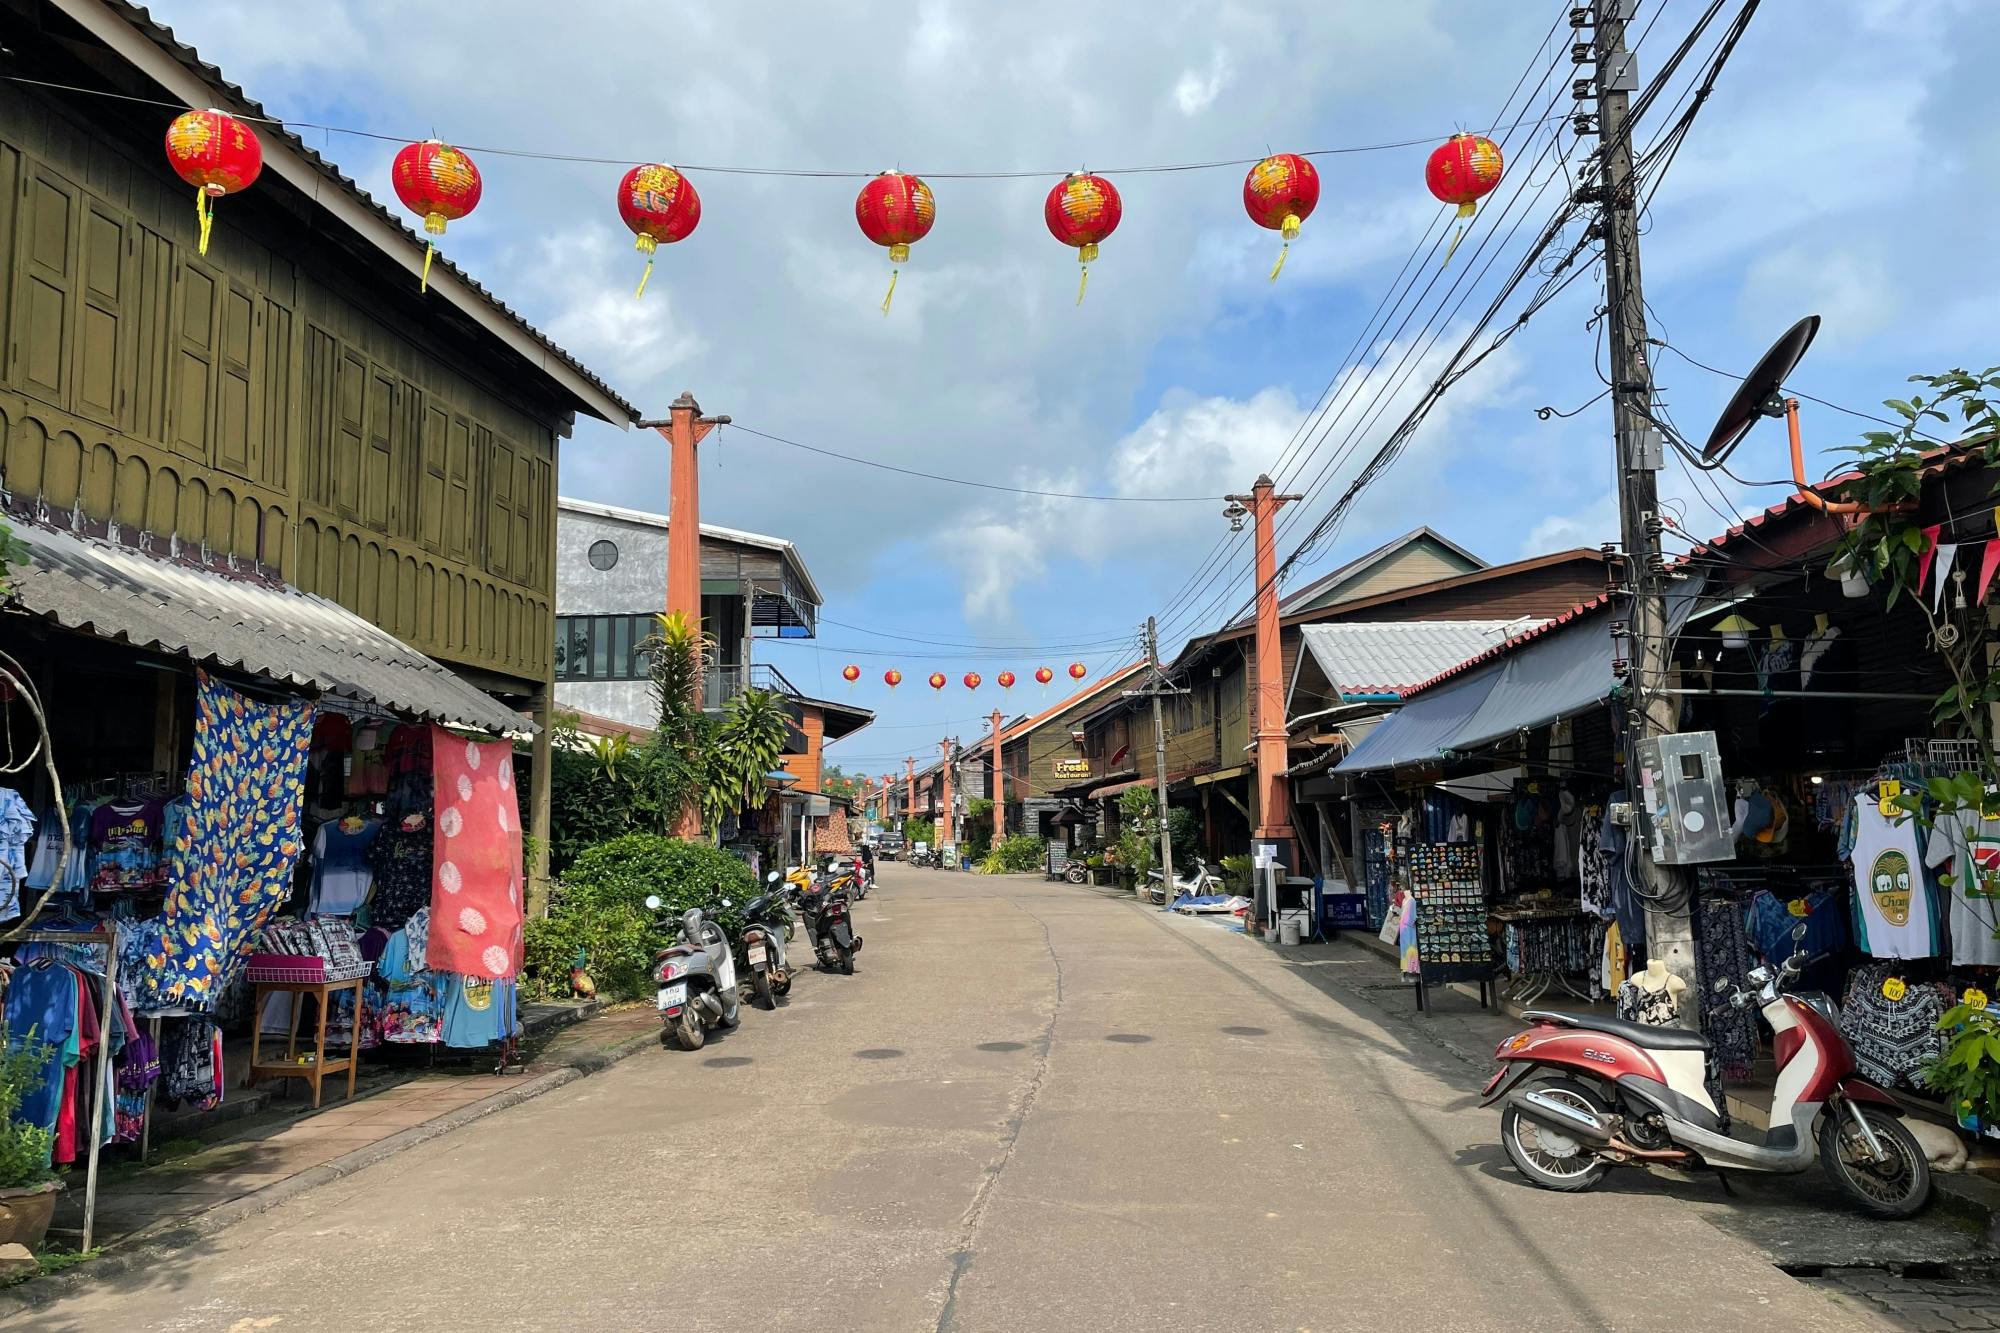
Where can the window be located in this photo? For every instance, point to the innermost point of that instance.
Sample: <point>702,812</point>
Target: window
<point>603,647</point>
<point>603,554</point>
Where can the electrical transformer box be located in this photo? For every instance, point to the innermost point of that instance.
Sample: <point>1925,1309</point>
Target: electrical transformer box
<point>1684,815</point>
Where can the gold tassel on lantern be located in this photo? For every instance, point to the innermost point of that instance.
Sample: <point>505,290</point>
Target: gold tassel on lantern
<point>645,245</point>
<point>1465,211</point>
<point>1290,231</point>
<point>434,225</point>
<point>1084,255</point>
<point>899,254</point>
<point>205,214</point>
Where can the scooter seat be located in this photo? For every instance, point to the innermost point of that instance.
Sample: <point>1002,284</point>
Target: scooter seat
<point>1639,1034</point>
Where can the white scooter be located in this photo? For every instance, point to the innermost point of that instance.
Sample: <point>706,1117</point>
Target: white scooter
<point>697,980</point>
<point>1199,884</point>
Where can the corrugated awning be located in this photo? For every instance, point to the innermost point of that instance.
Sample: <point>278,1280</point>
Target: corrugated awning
<point>1221,775</point>
<point>273,631</point>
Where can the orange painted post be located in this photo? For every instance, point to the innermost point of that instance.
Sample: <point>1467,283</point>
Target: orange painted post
<point>685,428</point>
<point>1274,814</point>
<point>909,790</point>
<point>999,786</point>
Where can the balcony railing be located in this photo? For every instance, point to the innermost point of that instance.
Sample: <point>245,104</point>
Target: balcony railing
<point>720,684</point>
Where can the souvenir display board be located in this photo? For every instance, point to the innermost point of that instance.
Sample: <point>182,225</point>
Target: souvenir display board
<point>1452,943</point>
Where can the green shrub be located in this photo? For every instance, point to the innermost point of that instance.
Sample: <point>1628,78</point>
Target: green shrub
<point>919,830</point>
<point>1236,874</point>
<point>604,788</point>
<point>24,1148</point>
<point>1022,852</point>
<point>599,906</point>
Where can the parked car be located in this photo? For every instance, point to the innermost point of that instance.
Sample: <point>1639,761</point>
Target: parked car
<point>889,846</point>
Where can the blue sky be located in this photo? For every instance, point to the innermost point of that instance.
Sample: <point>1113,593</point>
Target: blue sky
<point>1845,166</point>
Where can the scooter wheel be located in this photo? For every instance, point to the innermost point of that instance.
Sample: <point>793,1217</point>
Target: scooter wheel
<point>1547,1158</point>
<point>1899,1187</point>
<point>766,994</point>
<point>847,962</point>
<point>689,1033</point>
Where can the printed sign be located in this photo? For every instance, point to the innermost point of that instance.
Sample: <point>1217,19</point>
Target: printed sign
<point>1072,768</point>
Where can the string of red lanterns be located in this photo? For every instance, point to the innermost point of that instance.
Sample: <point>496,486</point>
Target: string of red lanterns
<point>219,155</point>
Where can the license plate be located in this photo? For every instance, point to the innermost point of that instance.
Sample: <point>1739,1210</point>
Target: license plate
<point>756,953</point>
<point>673,996</point>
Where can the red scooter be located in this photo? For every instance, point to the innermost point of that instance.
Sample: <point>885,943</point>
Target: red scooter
<point>1580,1095</point>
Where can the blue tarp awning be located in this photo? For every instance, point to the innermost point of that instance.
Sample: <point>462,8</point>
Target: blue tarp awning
<point>1554,676</point>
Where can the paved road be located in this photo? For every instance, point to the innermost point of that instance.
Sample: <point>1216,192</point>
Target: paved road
<point>1032,1108</point>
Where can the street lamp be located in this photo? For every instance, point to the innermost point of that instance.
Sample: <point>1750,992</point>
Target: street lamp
<point>1235,513</point>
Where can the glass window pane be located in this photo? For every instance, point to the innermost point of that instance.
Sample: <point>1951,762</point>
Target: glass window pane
<point>600,648</point>
<point>621,647</point>
<point>579,648</point>
<point>562,648</point>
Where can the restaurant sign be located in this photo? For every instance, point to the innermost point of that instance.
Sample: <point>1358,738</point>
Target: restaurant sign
<point>1072,768</point>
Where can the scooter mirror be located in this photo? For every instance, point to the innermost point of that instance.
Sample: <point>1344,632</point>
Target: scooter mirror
<point>727,903</point>
<point>1721,985</point>
<point>773,877</point>
<point>1799,931</point>
<point>653,902</point>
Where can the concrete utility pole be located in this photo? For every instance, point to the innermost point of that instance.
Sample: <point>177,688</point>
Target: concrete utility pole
<point>1274,807</point>
<point>947,818</point>
<point>1669,923</point>
<point>1158,687</point>
<point>999,786</point>
<point>909,789</point>
<point>684,428</point>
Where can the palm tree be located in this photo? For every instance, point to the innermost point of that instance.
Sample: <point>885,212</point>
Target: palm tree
<point>744,750</point>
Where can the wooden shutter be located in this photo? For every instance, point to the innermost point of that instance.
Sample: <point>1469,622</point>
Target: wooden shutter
<point>103,330</point>
<point>45,281</point>
<point>238,405</point>
<point>194,367</point>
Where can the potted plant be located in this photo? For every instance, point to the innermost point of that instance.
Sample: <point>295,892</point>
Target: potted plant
<point>1967,1075</point>
<point>27,1182</point>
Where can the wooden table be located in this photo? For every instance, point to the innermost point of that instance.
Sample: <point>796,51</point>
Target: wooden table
<point>315,1072</point>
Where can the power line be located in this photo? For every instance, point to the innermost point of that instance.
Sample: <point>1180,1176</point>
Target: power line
<point>1031,645</point>
<point>981,485</point>
<point>807,173</point>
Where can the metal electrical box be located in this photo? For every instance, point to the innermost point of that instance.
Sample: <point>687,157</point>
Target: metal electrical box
<point>1684,816</point>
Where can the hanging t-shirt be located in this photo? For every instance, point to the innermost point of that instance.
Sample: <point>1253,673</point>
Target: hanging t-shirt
<point>41,999</point>
<point>125,843</point>
<point>342,873</point>
<point>1894,914</point>
<point>1969,844</point>
<point>477,1013</point>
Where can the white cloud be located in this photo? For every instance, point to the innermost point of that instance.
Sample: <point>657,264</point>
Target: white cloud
<point>1196,91</point>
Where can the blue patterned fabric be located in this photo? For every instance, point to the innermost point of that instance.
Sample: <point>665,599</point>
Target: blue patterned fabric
<point>236,845</point>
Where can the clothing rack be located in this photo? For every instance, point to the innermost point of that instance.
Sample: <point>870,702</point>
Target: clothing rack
<point>109,939</point>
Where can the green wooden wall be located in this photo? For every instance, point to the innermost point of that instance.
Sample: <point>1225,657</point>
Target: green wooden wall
<point>257,402</point>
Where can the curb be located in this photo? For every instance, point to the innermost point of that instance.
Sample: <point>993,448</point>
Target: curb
<point>145,1248</point>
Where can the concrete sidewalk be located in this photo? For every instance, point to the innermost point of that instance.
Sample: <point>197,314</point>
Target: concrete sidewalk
<point>279,1154</point>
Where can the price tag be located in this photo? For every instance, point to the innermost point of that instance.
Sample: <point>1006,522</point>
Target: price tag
<point>1886,798</point>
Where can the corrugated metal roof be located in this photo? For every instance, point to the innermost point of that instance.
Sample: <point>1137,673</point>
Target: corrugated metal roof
<point>162,36</point>
<point>1387,657</point>
<point>267,630</point>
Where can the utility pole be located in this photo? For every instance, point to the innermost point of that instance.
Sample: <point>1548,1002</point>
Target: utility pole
<point>999,786</point>
<point>1274,806</point>
<point>909,790</point>
<point>1158,688</point>
<point>1669,933</point>
<point>948,816</point>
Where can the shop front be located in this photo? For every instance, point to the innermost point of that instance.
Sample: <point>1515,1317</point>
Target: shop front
<point>236,810</point>
<point>1495,829</point>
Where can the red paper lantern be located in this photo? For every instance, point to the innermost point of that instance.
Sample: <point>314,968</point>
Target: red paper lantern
<point>1081,211</point>
<point>851,673</point>
<point>659,205</point>
<point>438,183</point>
<point>217,154</point>
<point>895,209</point>
<point>892,678</point>
<point>1280,193</point>
<point>1463,170</point>
<point>1005,680</point>
<point>1077,671</point>
<point>972,680</point>
<point>937,680</point>
<point>1043,675</point>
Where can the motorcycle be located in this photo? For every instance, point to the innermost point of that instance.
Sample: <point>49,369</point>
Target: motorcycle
<point>1076,872</point>
<point>1198,885</point>
<point>767,927</point>
<point>697,980</point>
<point>1580,1095</point>
<point>828,912</point>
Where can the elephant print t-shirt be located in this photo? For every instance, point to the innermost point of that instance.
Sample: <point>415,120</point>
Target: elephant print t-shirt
<point>1895,916</point>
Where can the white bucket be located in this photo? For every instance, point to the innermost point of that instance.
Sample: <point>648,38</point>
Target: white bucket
<point>1288,933</point>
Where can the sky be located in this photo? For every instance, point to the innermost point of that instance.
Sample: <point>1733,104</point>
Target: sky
<point>1843,166</point>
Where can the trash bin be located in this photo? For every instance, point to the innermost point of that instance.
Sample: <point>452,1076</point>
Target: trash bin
<point>1288,932</point>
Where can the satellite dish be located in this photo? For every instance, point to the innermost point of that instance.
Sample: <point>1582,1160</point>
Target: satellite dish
<point>1758,395</point>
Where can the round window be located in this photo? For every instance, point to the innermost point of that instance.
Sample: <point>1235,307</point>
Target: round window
<point>603,555</point>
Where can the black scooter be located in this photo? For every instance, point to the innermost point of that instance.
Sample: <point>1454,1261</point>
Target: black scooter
<point>829,919</point>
